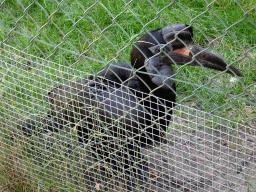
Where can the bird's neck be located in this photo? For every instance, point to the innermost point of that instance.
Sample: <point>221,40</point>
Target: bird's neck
<point>147,86</point>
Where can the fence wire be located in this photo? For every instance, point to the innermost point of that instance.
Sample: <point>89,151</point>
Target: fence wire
<point>112,96</point>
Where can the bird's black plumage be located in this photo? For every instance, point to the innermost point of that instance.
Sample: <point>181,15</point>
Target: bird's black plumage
<point>129,103</point>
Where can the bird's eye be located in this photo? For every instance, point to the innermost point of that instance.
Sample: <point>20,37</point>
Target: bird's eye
<point>161,48</point>
<point>167,48</point>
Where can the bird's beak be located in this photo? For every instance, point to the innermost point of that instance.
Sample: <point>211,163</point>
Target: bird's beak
<point>210,60</point>
<point>193,55</point>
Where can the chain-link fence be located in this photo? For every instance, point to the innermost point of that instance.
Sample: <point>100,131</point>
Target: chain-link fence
<point>90,92</point>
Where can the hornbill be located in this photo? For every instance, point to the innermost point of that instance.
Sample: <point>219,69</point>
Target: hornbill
<point>130,104</point>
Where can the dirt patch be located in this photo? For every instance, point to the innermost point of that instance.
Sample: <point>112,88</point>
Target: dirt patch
<point>199,158</point>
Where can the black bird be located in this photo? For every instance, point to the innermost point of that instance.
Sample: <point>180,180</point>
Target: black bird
<point>130,104</point>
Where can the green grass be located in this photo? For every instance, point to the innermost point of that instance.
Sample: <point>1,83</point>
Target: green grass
<point>91,34</point>
<point>103,33</point>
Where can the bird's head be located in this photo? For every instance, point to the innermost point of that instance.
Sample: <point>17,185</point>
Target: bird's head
<point>176,46</point>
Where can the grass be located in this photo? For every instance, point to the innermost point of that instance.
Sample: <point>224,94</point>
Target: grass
<point>86,35</point>
<point>102,34</point>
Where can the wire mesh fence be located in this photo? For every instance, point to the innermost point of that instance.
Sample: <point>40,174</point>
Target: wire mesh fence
<point>90,93</point>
